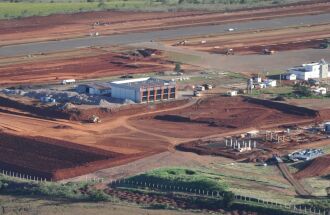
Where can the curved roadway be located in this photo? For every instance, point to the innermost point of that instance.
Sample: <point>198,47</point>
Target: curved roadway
<point>55,46</point>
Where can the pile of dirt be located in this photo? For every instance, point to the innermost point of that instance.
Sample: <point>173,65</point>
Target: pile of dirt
<point>49,158</point>
<point>208,121</point>
<point>34,111</point>
<point>285,108</point>
<point>317,167</point>
<point>129,109</point>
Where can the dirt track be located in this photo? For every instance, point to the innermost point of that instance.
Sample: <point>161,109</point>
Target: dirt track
<point>298,187</point>
<point>80,25</point>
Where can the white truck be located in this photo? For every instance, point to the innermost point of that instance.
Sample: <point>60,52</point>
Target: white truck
<point>68,81</point>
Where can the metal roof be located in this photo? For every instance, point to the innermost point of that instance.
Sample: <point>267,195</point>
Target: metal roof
<point>142,83</point>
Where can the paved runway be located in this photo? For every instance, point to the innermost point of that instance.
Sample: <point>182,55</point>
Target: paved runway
<point>54,46</point>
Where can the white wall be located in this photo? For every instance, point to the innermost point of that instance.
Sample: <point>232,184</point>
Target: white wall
<point>123,93</point>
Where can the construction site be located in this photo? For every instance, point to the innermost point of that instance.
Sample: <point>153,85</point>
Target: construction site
<point>109,95</point>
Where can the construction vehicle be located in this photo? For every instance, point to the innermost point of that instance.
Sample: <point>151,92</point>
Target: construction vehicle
<point>94,119</point>
<point>268,51</point>
<point>229,52</point>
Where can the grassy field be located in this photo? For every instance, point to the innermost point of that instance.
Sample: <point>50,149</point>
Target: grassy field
<point>26,8</point>
<point>196,179</point>
<point>53,190</point>
<point>317,185</point>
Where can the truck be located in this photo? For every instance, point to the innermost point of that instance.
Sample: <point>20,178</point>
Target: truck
<point>68,81</point>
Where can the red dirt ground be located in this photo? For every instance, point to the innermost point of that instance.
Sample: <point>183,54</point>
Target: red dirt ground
<point>43,157</point>
<point>317,167</point>
<point>75,25</point>
<point>254,42</point>
<point>101,65</point>
<point>41,147</point>
<point>125,135</point>
<point>214,116</point>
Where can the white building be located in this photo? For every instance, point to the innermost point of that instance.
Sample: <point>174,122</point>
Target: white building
<point>143,90</point>
<point>291,77</point>
<point>311,70</point>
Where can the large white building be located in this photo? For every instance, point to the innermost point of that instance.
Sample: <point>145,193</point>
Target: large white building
<point>311,70</point>
<point>143,90</point>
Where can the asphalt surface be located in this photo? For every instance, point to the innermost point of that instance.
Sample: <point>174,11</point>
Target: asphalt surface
<point>55,46</point>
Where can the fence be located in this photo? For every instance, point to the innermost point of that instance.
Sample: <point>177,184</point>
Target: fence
<point>299,209</point>
<point>21,176</point>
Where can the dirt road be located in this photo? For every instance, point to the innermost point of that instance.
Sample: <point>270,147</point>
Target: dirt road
<point>295,183</point>
<point>58,27</point>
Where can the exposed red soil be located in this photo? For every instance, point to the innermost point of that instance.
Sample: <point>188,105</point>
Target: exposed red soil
<point>80,24</point>
<point>102,65</point>
<point>258,49</point>
<point>30,136</point>
<point>317,167</point>
<point>220,114</point>
<point>126,110</point>
<point>43,157</point>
